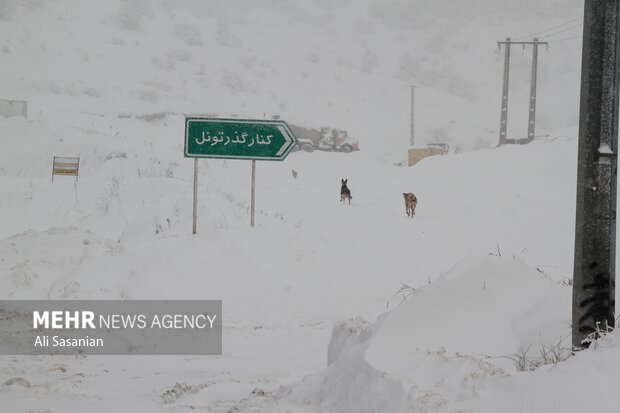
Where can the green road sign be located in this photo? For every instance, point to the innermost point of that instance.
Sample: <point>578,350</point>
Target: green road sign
<point>269,140</point>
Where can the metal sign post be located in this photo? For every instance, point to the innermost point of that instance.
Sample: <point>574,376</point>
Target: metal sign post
<point>195,195</point>
<point>253,192</point>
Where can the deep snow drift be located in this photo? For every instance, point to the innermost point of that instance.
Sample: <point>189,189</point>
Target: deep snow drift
<point>490,335</point>
<point>447,344</point>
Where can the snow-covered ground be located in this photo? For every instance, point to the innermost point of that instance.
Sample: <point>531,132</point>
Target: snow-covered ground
<point>489,252</point>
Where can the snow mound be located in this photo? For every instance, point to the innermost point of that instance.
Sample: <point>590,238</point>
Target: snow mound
<point>425,356</point>
<point>501,305</point>
<point>347,334</point>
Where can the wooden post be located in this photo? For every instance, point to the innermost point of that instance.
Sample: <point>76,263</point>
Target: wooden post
<point>253,192</point>
<point>195,195</point>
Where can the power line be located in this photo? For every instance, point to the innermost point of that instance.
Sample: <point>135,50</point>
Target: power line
<point>562,31</point>
<point>549,29</point>
<point>566,39</point>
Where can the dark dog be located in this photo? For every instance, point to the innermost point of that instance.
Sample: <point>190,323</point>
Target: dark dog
<point>345,193</point>
<point>410,203</point>
<point>294,173</point>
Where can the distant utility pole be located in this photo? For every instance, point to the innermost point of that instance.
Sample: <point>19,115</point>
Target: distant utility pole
<point>412,130</point>
<point>503,126</point>
<point>531,123</point>
<point>595,230</point>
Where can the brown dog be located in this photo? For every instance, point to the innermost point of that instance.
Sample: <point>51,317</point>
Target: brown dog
<point>410,203</point>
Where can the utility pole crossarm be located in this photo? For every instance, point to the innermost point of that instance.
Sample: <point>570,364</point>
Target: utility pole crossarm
<point>522,43</point>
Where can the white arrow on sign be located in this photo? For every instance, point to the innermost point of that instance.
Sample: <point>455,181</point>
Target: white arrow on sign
<point>287,138</point>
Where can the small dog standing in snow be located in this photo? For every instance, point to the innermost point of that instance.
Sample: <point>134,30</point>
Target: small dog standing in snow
<point>410,203</point>
<point>345,193</point>
<point>294,172</point>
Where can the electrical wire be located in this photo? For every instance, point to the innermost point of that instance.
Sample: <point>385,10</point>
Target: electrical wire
<point>562,31</point>
<point>548,29</point>
<point>566,39</point>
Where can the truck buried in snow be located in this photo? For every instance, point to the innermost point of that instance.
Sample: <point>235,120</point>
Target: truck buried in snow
<point>326,139</point>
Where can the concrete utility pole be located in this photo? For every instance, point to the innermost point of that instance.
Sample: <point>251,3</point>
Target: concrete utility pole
<point>503,126</point>
<point>595,230</point>
<point>412,130</point>
<point>531,123</point>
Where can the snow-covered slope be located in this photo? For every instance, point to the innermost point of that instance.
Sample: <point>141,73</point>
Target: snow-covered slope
<point>110,82</point>
<point>124,231</point>
<point>340,63</point>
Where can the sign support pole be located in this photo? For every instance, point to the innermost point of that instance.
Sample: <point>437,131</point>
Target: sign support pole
<point>253,192</point>
<point>195,195</point>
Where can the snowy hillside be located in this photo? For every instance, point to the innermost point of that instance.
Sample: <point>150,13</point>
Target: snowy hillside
<point>111,82</point>
<point>340,63</point>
